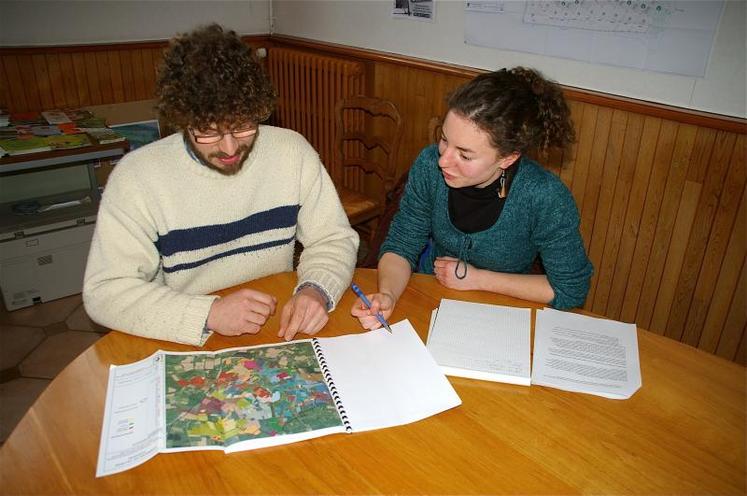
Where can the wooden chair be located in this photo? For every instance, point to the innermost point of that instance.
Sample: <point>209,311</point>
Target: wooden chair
<point>378,235</point>
<point>367,136</point>
<point>434,129</point>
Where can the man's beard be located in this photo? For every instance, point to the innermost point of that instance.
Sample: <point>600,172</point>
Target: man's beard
<point>229,170</point>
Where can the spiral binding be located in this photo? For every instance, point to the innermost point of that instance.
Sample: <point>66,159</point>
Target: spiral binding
<point>331,384</point>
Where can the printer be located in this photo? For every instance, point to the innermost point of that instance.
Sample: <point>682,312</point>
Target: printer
<point>47,218</point>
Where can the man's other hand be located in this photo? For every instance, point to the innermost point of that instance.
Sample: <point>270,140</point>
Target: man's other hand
<point>305,312</point>
<point>242,312</point>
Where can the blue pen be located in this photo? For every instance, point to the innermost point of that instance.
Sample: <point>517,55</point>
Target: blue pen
<point>365,301</point>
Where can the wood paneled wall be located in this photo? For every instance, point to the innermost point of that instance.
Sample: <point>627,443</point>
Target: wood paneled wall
<point>38,78</point>
<point>661,191</point>
<point>31,79</point>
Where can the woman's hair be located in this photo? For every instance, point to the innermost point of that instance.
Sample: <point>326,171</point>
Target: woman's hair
<point>518,108</point>
<point>209,77</point>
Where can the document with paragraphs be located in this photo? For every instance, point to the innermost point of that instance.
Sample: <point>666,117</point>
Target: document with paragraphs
<point>584,354</point>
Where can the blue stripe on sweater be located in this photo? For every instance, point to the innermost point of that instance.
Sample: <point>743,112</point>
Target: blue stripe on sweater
<point>243,249</point>
<point>197,238</point>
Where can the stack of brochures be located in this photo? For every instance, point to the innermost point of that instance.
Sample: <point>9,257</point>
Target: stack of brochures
<point>103,135</point>
<point>21,147</point>
<point>572,352</point>
<point>33,132</point>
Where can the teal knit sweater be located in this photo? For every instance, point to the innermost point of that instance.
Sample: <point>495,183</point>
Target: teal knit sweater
<point>539,217</point>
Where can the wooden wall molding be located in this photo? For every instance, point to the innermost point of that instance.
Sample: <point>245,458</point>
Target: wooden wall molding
<point>97,47</point>
<point>253,40</point>
<point>716,121</point>
<point>678,114</point>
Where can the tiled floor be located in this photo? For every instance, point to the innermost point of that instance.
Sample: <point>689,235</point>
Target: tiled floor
<point>36,343</point>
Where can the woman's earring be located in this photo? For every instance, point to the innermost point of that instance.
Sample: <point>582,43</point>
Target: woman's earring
<point>502,185</point>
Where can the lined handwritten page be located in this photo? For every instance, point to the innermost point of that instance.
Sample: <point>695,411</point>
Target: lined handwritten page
<point>480,341</point>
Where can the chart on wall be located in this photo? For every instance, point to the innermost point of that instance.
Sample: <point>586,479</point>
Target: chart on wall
<point>662,36</point>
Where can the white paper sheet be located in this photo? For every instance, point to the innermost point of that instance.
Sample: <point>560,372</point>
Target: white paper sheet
<point>387,379</point>
<point>480,341</point>
<point>132,432</point>
<point>585,354</point>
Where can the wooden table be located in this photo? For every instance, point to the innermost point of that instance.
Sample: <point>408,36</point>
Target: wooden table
<point>683,432</point>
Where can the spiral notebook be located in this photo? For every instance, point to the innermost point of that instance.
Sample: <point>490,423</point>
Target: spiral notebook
<point>246,398</point>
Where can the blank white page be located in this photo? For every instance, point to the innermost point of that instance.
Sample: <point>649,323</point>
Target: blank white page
<point>387,379</point>
<point>481,341</point>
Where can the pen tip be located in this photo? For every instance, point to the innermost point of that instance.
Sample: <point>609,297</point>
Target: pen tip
<point>388,329</point>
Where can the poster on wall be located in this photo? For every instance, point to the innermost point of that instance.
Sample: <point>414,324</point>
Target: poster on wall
<point>673,36</point>
<point>420,10</point>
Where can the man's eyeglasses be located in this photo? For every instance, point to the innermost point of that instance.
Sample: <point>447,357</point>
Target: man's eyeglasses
<point>213,137</point>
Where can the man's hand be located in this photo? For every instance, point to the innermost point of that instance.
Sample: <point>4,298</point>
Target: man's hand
<point>305,312</point>
<point>242,312</point>
<point>444,267</point>
<point>380,302</point>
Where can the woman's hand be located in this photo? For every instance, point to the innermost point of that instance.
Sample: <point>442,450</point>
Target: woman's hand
<point>444,268</point>
<point>380,302</point>
<point>533,287</point>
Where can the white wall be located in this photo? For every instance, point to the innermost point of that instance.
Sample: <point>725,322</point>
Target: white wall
<point>368,24</point>
<point>36,22</point>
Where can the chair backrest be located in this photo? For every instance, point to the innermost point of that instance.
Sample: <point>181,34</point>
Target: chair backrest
<point>382,227</point>
<point>357,136</point>
<point>434,129</point>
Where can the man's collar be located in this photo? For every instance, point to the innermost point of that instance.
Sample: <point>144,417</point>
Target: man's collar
<point>189,149</point>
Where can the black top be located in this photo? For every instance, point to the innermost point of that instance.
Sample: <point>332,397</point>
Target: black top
<point>473,209</point>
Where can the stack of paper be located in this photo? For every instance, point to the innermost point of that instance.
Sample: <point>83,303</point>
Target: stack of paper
<point>587,355</point>
<point>479,341</point>
<point>572,352</point>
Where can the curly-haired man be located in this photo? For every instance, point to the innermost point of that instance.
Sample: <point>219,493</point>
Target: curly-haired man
<point>218,204</point>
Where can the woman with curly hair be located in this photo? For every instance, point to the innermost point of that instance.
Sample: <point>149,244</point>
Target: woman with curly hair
<point>219,203</point>
<point>478,213</point>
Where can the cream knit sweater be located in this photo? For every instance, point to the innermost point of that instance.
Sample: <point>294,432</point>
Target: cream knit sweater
<point>170,230</point>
